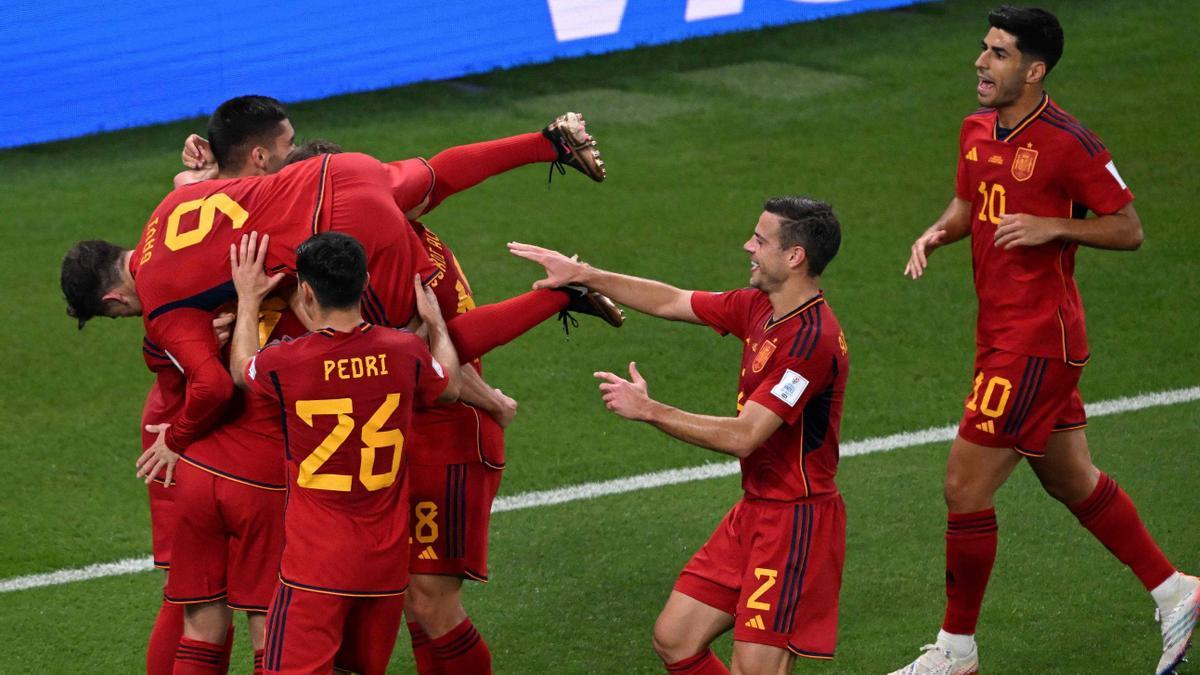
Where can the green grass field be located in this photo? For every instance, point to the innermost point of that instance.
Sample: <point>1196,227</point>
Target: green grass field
<point>861,111</point>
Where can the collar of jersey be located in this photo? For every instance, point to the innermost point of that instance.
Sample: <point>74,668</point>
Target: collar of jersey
<point>329,332</point>
<point>1025,122</point>
<point>811,302</point>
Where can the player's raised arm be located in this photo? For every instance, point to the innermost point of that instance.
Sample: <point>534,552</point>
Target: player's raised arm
<point>252,283</point>
<point>439,340</point>
<point>953,225</point>
<point>644,295</point>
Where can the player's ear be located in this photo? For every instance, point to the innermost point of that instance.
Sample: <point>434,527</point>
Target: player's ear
<point>259,157</point>
<point>797,257</point>
<point>1036,72</point>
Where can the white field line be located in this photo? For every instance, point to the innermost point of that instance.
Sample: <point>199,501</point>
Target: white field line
<point>584,491</point>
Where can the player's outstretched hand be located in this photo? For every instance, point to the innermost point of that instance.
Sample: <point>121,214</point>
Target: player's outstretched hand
<point>158,457</point>
<point>1022,229</point>
<point>197,153</point>
<point>627,398</point>
<point>918,259</point>
<point>560,270</point>
<point>246,261</point>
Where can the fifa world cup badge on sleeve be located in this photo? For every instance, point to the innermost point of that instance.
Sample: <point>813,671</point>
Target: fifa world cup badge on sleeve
<point>790,387</point>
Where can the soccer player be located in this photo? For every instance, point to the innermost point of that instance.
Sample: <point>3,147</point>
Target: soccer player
<point>346,393</point>
<point>456,456</point>
<point>772,570</point>
<point>1027,175</point>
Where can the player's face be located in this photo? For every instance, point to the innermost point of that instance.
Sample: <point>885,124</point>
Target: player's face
<point>281,146</point>
<point>1001,70</point>
<point>768,262</point>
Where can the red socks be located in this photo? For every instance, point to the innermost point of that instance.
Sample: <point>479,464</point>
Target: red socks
<point>196,657</point>
<point>462,651</point>
<point>704,663</point>
<point>164,639</point>
<point>1109,514</point>
<point>970,552</point>
<point>457,169</point>
<point>258,661</point>
<point>422,647</point>
<point>484,328</point>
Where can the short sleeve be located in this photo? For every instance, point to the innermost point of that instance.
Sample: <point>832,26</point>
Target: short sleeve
<point>258,371</point>
<point>727,312</point>
<point>431,378</point>
<point>1091,179</point>
<point>962,184</point>
<point>789,386</point>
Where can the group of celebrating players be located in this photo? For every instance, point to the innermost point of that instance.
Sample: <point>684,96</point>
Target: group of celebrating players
<point>322,450</point>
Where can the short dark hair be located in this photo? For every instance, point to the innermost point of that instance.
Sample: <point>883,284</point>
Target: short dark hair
<point>89,270</point>
<point>809,224</point>
<point>1038,32</point>
<point>313,148</point>
<point>240,121</point>
<point>335,265</point>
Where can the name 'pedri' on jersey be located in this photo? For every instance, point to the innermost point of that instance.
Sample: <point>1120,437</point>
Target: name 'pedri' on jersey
<point>1047,165</point>
<point>796,367</point>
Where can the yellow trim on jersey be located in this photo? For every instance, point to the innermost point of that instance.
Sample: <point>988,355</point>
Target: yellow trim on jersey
<point>772,323</point>
<point>1024,123</point>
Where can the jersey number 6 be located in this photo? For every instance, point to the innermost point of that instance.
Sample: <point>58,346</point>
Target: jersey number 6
<point>372,437</point>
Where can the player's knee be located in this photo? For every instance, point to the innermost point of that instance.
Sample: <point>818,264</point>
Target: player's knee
<point>1070,488</point>
<point>958,492</point>
<point>670,642</point>
<point>208,622</point>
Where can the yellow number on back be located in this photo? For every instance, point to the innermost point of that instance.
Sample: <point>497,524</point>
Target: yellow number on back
<point>175,240</point>
<point>373,438</point>
<point>309,478</point>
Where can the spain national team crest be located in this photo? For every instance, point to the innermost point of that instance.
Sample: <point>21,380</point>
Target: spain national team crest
<point>764,353</point>
<point>1023,163</point>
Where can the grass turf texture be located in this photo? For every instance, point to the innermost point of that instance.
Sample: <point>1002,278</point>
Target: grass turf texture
<point>862,111</point>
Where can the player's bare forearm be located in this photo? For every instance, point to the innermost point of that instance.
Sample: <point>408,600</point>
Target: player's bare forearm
<point>473,390</point>
<point>645,295</point>
<point>246,260</point>
<point>953,225</point>
<point>955,221</point>
<point>443,350</point>
<point>244,343</point>
<point>738,436</point>
<point>1120,231</point>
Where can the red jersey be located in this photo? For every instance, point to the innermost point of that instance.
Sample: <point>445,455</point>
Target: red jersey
<point>1048,165</point>
<point>181,263</point>
<point>796,367</point>
<point>165,398</point>
<point>454,433</point>
<point>346,402</point>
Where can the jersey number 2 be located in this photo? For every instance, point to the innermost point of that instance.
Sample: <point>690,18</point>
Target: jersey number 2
<point>372,437</point>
